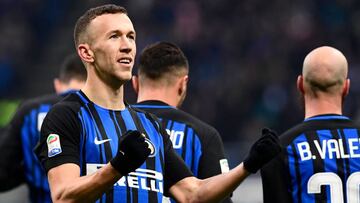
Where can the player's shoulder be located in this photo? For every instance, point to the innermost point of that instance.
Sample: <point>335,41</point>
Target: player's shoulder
<point>317,124</point>
<point>33,103</point>
<point>71,102</point>
<point>201,128</point>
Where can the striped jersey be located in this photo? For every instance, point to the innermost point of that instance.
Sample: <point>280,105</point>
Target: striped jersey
<point>18,162</point>
<point>198,143</point>
<point>78,131</point>
<point>320,163</point>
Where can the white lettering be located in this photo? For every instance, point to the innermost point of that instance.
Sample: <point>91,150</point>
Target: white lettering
<point>342,151</point>
<point>321,150</point>
<point>353,147</point>
<point>134,178</point>
<point>304,150</point>
<point>176,137</point>
<point>333,148</point>
<point>133,182</point>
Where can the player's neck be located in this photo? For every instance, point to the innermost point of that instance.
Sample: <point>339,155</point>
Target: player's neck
<point>164,95</point>
<point>105,95</point>
<point>315,107</point>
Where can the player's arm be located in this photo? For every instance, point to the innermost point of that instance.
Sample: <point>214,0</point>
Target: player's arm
<point>66,185</point>
<point>213,161</point>
<point>215,188</point>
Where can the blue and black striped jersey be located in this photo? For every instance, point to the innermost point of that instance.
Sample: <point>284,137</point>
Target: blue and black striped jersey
<point>320,163</point>
<point>78,131</point>
<point>18,162</point>
<point>198,143</point>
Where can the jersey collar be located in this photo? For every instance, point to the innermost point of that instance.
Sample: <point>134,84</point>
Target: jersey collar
<point>327,117</point>
<point>153,104</point>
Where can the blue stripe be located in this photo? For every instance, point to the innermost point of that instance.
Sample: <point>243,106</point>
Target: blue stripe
<point>326,118</point>
<point>153,106</point>
<point>197,155</point>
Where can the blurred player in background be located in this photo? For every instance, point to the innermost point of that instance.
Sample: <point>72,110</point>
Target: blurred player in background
<point>321,157</point>
<point>161,86</point>
<point>18,163</point>
<point>96,147</point>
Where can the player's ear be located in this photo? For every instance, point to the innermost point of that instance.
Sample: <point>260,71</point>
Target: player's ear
<point>85,53</point>
<point>57,85</point>
<point>300,84</point>
<point>183,84</point>
<point>346,88</point>
<point>135,83</point>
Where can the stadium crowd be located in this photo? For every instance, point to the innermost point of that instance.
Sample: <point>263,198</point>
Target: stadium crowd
<point>244,55</point>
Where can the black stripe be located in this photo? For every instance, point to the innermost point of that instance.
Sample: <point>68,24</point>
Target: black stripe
<point>184,144</point>
<point>318,163</point>
<point>297,168</point>
<point>120,122</point>
<point>83,148</point>
<point>340,162</point>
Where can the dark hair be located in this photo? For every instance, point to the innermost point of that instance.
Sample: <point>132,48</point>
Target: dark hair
<point>84,21</point>
<point>72,68</point>
<point>160,58</point>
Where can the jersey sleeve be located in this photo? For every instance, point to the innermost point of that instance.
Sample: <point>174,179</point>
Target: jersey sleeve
<point>60,137</point>
<point>275,181</point>
<point>11,159</point>
<point>212,160</point>
<point>175,167</point>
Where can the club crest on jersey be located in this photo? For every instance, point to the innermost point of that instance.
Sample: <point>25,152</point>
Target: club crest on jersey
<point>151,147</point>
<point>53,144</point>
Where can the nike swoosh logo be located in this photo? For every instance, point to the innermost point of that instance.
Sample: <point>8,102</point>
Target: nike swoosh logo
<point>97,142</point>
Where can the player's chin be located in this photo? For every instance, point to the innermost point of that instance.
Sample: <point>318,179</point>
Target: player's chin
<point>124,75</point>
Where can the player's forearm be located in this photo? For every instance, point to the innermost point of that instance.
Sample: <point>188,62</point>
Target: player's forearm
<point>218,187</point>
<point>86,188</point>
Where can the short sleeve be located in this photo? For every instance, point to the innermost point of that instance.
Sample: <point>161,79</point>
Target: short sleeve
<point>213,160</point>
<point>60,137</point>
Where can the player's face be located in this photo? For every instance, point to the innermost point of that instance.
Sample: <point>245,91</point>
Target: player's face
<point>112,41</point>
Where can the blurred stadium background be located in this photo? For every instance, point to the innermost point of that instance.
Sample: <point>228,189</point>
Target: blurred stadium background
<point>244,57</point>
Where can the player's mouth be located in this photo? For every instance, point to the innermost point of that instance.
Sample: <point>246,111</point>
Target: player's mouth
<point>125,60</point>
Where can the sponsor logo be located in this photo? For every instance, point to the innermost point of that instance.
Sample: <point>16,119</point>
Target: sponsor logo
<point>97,142</point>
<point>151,146</point>
<point>144,179</point>
<point>53,144</point>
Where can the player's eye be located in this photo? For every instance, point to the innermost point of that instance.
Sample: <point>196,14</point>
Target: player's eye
<point>114,36</point>
<point>132,37</point>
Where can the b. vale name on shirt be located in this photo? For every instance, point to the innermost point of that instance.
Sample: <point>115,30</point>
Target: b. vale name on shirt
<point>331,149</point>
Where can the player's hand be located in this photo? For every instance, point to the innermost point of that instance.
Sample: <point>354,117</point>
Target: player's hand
<point>132,152</point>
<point>262,151</point>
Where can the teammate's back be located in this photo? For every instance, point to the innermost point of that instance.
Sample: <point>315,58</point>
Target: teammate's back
<point>161,86</point>
<point>18,162</point>
<point>321,156</point>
